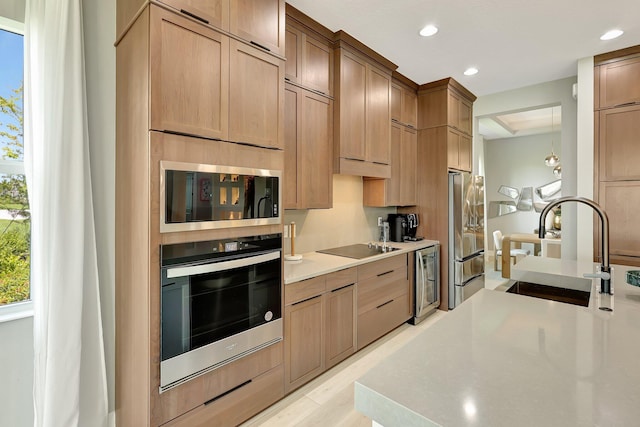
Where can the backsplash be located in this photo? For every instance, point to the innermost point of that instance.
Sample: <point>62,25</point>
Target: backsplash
<point>346,223</point>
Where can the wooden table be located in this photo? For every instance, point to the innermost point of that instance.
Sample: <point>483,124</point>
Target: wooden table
<point>518,239</point>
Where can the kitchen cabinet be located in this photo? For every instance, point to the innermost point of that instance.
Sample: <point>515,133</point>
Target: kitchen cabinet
<point>262,23</point>
<point>617,152</point>
<point>618,83</point>
<point>205,84</point>
<point>193,102</point>
<point>319,325</point>
<point>256,97</point>
<point>309,53</point>
<point>384,297</point>
<point>445,103</point>
<point>362,113</point>
<point>458,150</point>
<point>308,175</point>
<point>400,189</point>
<point>212,12</point>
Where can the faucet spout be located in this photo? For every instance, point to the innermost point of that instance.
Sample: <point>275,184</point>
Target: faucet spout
<point>605,268</point>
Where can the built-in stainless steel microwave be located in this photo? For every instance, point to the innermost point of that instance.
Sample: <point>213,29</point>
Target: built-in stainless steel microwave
<point>199,196</point>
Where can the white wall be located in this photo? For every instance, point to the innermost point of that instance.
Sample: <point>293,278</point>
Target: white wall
<point>346,223</point>
<point>16,373</point>
<point>516,162</point>
<point>558,92</point>
<point>12,9</point>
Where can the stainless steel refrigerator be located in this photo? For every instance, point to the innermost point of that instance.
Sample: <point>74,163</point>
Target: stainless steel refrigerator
<point>466,236</point>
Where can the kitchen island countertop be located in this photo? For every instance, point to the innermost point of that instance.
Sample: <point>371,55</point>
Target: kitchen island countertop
<point>501,359</point>
<point>315,264</point>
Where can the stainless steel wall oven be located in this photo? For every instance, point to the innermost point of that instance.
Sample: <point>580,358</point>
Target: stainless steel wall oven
<point>220,300</point>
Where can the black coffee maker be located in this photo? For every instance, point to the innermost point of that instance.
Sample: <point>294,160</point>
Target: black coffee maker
<point>403,227</point>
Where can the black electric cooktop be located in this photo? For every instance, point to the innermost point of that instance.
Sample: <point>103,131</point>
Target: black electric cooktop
<point>357,251</point>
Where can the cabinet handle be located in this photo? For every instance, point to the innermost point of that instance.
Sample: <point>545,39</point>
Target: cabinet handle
<point>626,104</point>
<point>343,287</point>
<point>227,392</point>
<point>380,163</point>
<point>305,300</point>
<point>386,272</point>
<point>357,160</point>
<point>194,16</point>
<point>260,46</point>
<point>383,304</point>
<point>395,120</point>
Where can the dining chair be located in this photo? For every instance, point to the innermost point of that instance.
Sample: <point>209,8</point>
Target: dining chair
<point>514,253</point>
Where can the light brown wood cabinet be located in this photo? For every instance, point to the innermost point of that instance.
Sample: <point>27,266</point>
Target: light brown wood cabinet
<point>617,152</point>
<point>400,189</point>
<point>618,83</point>
<point>320,325</point>
<point>362,114</point>
<point>308,174</point>
<point>309,53</point>
<point>205,84</point>
<point>445,103</point>
<point>384,297</point>
<point>458,150</point>
<point>256,96</point>
<point>260,23</point>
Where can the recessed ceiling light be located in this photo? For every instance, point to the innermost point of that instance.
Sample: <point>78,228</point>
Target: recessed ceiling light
<point>470,71</point>
<point>428,31</point>
<point>611,34</point>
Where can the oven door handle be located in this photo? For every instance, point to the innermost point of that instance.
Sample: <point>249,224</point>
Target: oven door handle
<point>221,266</point>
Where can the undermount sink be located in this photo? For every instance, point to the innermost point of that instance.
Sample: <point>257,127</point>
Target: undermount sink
<point>358,251</point>
<point>553,293</point>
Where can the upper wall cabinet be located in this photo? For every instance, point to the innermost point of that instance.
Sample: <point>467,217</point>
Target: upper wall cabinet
<point>362,114</point>
<point>205,84</point>
<point>404,103</point>
<point>213,12</point>
<point>309,53</point>
<point>618,83</point>
<point>446,102</point>
<point>260,22</point>
<point>189,77</point>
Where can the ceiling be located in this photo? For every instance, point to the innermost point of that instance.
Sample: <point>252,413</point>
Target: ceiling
<point>521,123</point>
<point>513,43</point>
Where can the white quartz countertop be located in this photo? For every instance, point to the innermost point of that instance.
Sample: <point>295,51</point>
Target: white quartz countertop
<point>315,264</point>
<point>501,359</point>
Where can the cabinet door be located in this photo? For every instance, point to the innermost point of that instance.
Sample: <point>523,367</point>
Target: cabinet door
<point>409,105</point>
<point>394,184</point>
<point>317,65</point>
<point>458,150</point>
<point>340,324</point>
<point>315,151</point>
<point>620,83</point>
<point>293,46</point>
<point>621,201</point>
<point>464,116</point>
<point>396,103</point>
<point>189,77</point>
<point>619,153</point>
<point>351,121</point>
<point>213,12</point>
<point>260,22</point>
<point>256,97</point>
<point>378,116</point>
<point>291,135</point>
<point>408,166</point>
<point>304,342</point>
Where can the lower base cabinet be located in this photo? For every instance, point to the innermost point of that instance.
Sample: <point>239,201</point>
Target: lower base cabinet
<point>320,325</point>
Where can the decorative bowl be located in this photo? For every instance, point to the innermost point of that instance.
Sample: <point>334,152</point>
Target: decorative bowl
<point>633,277</point>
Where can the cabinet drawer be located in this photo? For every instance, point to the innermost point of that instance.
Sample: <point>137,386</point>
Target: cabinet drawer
<point>376,291</point>
<point>375,323</point>
<point>305,289</point>
<point>238,404</point>
<point>381,267</point>
<point>341,278</point>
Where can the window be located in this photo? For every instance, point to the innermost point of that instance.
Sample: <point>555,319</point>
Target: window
<point>15,224</point>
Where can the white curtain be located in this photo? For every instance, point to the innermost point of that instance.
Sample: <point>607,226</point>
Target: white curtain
<point>69,365</point>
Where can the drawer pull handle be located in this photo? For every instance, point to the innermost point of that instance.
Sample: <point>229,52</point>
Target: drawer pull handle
<point>260,46</point>
<point>383,304</point>
<point>226,392</point>
<point>305,300</point>
<point>386,272</point>
<point>194,16</point>
<point>343,287</point>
